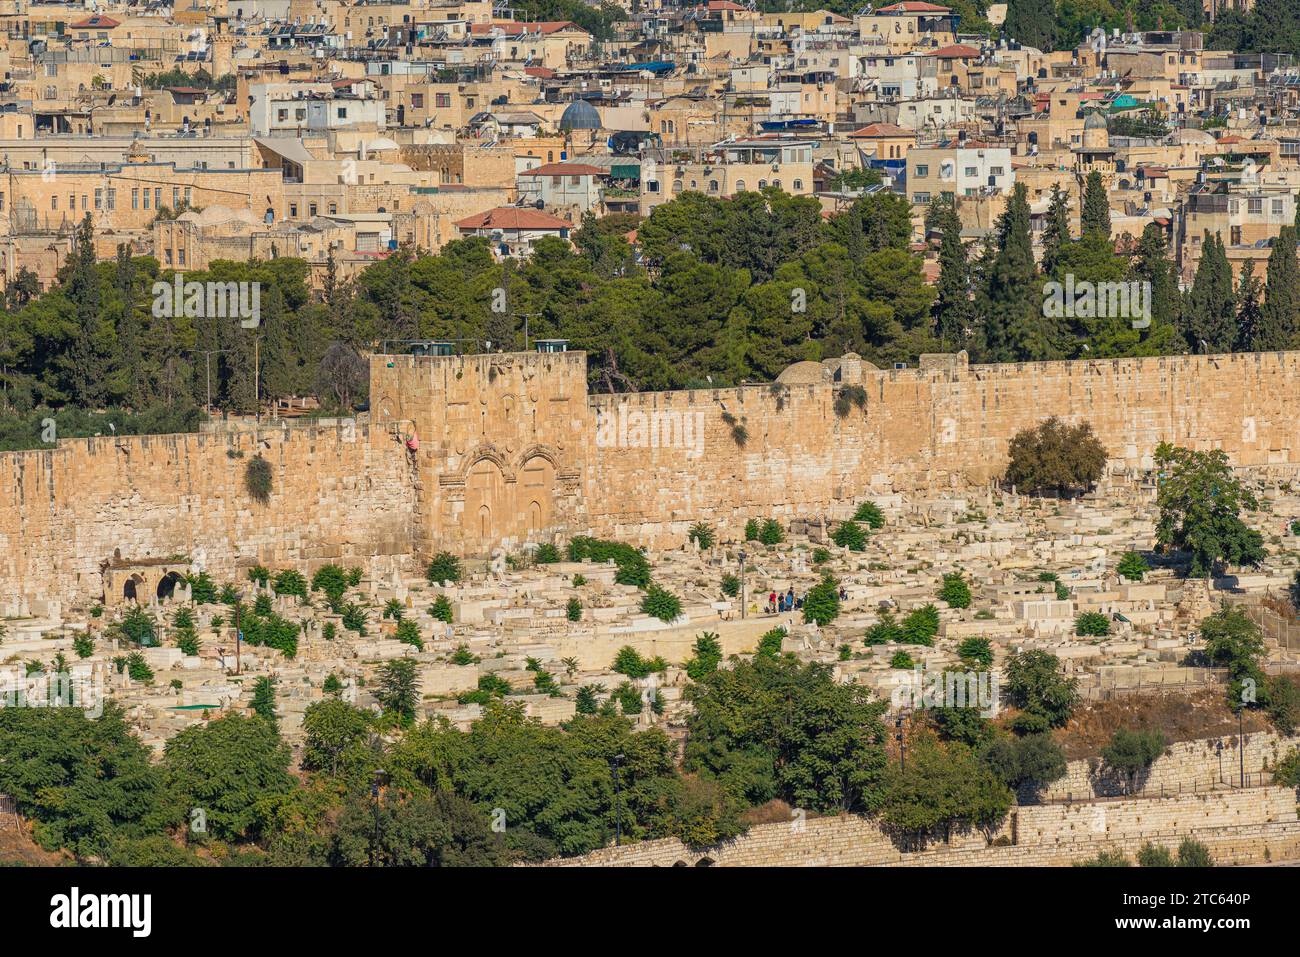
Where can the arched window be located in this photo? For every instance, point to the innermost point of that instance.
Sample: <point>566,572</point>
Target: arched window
<point>740,186</point>
<point>713,186</point>
<point>798,184</point>
<point>677,186</point>
<point>762,184</point>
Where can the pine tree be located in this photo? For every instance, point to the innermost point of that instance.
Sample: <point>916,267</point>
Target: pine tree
<point>1056,234</point>
<point>953,311</point>
<point>129,330</point>
<point>1095,216</point>
<point>1248,309</point>
<point>1210,312</point>
<point>264,699</point>
<point>1279,317</point>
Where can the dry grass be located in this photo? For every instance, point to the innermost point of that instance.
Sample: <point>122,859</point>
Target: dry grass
<point>1182,717</point>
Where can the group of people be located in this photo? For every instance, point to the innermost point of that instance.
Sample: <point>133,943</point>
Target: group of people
<point>779,604</point>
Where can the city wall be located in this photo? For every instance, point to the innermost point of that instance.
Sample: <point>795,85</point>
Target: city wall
<point>480,452</point>
<point>66,511</point>
<point>1248,826</point>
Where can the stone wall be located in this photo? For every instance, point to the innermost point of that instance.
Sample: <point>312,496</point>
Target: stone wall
<point>1248,826</point>
<point>67,511</point>
<point>512,448</point>
<point>1185,766</point>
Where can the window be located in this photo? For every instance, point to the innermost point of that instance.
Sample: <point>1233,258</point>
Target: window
<point>180,257</point>
<point>311,209</point>
<point>54,202</point>
<point>146,199</point>
<point>176,197</point>
<point>920,199</point>
<point>135,199</point>
<point>713,186</point>
<point>333,208</point>
<point>187,196</point>
<point>442,100</point>
<point>1255,206</point>
<point>342,112</point>
<point>112,198</point>
<point>417,101</point>
<point>995,170</point>
<point>99,199</point>
<point>282,116</point>
<point>168,253</point>
<point>740,186</point>
<point>798,184</point>
<point>293,210</point>
<point>1277,207</point>
<point>972,171</point>
<point>922,169</point>
<point>157,198</point>
<point>677,186</point>
<point>652,186</point>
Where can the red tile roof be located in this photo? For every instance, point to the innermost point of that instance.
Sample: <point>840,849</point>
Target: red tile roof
<point>875,130</point>
<point>96,22</point>
<point>957,51</point>
<point>512,217</point>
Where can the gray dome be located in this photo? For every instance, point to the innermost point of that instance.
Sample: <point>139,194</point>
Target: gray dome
<point>580,115</point>
<point>1094,121</point>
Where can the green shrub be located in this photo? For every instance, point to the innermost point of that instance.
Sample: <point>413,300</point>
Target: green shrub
<point>463,656</point>
<point>354,617</point>
<point>701,534</point>
<point>886,630</point>
<point>976,652</point>
<point>869,513</point>
<point>273,632</point>
<point>332,684</point>
<point>262,605</point>
<point>586,701</point>
<point>489,687</point>
<point>333,581</point>
<point>661,604</point>
<point>1154,855</point>
<point>354,575</point>
<point>259,574</point>
<point>851,536</point>
<point>752,530</point>
<point>573,610</point>
<point>730,585</point>
<point>579,580</point>
<point>1105,859</point>
<point>329,631</point>
<point>628,698</point>
<point>772,533</point>
<point>138,668</point>
<point>822,603</point>
<point>921,626</point>
<point>290,582</point>
<point>257,479</point>
<point>769,643</point>
<point>408,633</point>
<point>83,644</point>
<point>203,591</point>
<point>902,660</point>
<point>633,569</point>
<point>443,568</point>
<point>1133,566</point>
<point>706,657</point>
<point>820,555</point>
<point>546,554</point>
<point>1192,853</point>
<point>394,609</point>
<point>138,626</point>
<point>188,643</point>
<point>441,609</point>
<point>1092,623</point>
<point>955,591</point>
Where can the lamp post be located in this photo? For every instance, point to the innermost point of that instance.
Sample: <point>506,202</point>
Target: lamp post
<point>1218,747</point>
<point>375,784</point>
<point>239,634</point>
<point>614,764</point>
<point>1241,743</point>
<point>742,582</point>
<point>902,743</point>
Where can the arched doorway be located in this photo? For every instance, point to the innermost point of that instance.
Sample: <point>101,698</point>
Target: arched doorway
<point>485,504</point>
<point>129,588</point>
<point>167,585</point>
<point>537,491</point>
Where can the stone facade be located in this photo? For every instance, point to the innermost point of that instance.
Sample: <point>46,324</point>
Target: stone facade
<point>513,448</point>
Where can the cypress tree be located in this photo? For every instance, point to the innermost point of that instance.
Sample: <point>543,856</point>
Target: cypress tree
<point>1014,328</point>
<point>89,362</point>
<point>1095,217</point>
<point>1210,315</point>
<point>953,311</point>
<point>1279,317</point>
<point>1057,232</point>
<point>1248,308</point>
<point>1152,265</point>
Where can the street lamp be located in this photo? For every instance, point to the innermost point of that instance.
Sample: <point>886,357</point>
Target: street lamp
<point>1241,743</point>
<point>239,635</point>
<point>1218,747</point>
<point>902,744</point>
<point>377,781</point>
<point>614,764</point>
<point>742,582</point>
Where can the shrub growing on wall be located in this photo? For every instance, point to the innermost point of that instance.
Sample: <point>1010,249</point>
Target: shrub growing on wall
<point>257,479</point>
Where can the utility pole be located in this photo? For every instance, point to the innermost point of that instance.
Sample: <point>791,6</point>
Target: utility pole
<point>239,634</point>
<point>742,583</point>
